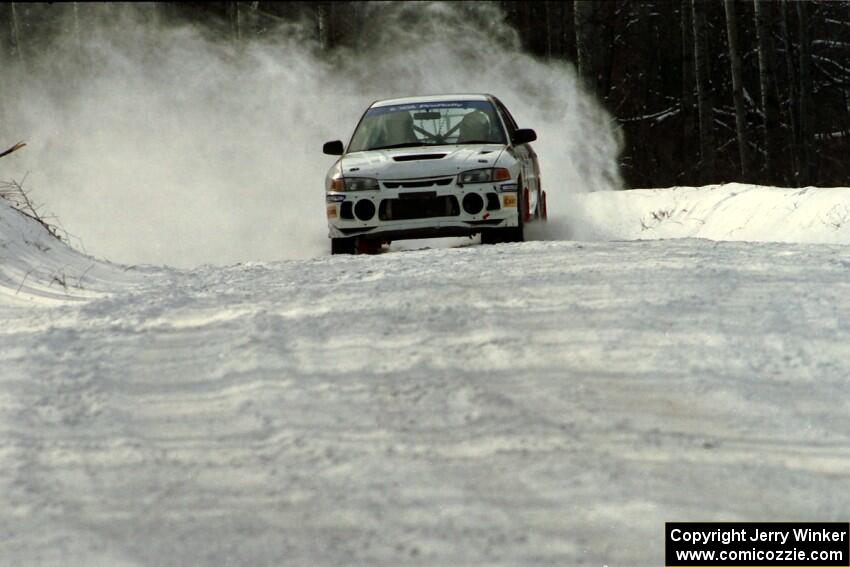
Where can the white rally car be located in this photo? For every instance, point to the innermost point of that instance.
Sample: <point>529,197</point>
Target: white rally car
<point>432,166</point>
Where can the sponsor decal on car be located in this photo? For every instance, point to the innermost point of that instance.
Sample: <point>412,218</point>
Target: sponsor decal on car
<point>509,200</point>
<point>331,211</point>
<point>482,104</point>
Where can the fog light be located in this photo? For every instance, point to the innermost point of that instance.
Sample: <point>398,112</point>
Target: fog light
<point>473,203</point>
<point>364,209</point>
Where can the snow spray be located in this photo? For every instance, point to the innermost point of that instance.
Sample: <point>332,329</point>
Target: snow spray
<point>168,144</point>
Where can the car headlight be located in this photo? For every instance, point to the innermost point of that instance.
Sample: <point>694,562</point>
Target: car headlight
<point>485,175</point>
<point>354,184</point>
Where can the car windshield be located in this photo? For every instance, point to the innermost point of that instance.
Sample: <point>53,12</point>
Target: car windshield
<point>428,124</point>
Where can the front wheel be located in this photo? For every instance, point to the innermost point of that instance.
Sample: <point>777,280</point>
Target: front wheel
<point>343,245</point>
<point>368,246</point>
<point>514,233</point>
<point>498,235</point>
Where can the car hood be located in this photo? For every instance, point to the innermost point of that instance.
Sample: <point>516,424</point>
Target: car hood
<point>410,163</point>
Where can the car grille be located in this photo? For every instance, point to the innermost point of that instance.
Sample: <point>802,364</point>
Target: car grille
<point>419,207</point>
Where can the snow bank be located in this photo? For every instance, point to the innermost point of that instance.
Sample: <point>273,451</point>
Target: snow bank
<point>733,211</point>
<point>36,266</point>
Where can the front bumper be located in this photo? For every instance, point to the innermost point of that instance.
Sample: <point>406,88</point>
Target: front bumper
<point>415,209</point>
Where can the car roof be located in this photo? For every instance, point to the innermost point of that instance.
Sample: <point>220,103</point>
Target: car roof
<point>430,98</point>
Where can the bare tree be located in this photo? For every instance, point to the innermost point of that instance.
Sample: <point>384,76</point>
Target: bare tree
<point>155,13</point>
<point>568,36</point>
<point>737,86</point>
<point>323,24</point>
<point>793,106</point>
<point>583,15</point>
<point>704,92</point>
<point>15,32</point>
<point>594,37</point>
<point>235,17</point>
<point>688,81</point>
<point>76,12</point>
<point>806,135</point>
<point>767,84</point>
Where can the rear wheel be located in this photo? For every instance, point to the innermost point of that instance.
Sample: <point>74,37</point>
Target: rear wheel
<point>342,245</point>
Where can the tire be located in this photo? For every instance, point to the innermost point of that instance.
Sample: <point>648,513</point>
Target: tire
<point>492,236</point>
<point>513,234</point>
<point>368,246</point>
<point>343,245</point>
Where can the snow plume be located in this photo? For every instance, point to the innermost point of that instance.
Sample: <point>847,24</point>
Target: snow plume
<point>164,144</point>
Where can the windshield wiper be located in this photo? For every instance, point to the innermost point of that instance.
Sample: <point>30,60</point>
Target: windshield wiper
<point>477,142</point>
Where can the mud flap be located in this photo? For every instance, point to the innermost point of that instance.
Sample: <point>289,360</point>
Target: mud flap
<point>526,212</point>
<point>544,211</point>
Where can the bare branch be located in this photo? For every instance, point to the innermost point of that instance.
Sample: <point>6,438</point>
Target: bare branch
<point>14,148</point>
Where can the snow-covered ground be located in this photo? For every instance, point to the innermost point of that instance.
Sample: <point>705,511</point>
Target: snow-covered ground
<point>544,403</point>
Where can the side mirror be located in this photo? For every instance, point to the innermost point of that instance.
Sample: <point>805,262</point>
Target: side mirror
<point>523,136</point>
<point>334,148</point>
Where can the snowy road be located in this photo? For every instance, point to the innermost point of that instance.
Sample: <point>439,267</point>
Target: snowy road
<point>545,403</point>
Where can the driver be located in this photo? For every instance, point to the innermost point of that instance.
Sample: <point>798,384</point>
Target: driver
<point>398,128</point>
<point>475,127</point>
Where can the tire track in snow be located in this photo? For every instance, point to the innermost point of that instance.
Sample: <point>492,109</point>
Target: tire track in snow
<point>500,404</point>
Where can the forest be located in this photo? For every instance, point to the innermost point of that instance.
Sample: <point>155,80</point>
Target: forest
<point>704,91</point>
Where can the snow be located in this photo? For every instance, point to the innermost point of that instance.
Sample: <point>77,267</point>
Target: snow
<point>547,403</point>
<point>733,211</point>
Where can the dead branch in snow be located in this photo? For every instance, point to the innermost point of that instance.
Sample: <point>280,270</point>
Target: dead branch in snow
<point>14,148</point>
<point>23,281</point>
<point>14,192</point>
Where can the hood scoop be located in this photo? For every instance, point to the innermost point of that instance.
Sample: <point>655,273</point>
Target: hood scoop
<point>417,157</point>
